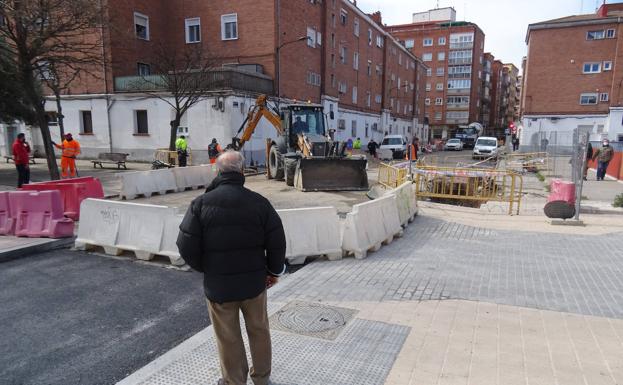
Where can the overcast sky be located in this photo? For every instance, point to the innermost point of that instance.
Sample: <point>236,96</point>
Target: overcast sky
<point>504,21</point>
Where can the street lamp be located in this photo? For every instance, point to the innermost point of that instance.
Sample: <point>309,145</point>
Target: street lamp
<point>278,64</point>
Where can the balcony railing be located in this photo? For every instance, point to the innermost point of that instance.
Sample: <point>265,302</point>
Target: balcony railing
<point>458,91</point>
<point>464,45</point>
<point>462,60</point>
<point>462,75</point>
<point>217,79</point>
<point>457,106</point>
<point>457,121</point>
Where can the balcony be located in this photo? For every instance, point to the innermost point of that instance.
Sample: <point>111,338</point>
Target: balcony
<point>457,121</point>
<point>464,45</point>
<point>219,79</point>
<point>457,106</point>
<point>462,75</point>
<point>458,91</point>
<point>460,61</point>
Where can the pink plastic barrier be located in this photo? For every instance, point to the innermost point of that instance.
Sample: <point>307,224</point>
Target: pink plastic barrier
<point>73,192</point>
<point>6,219</point>
<point>562,191</point>
<point>40,214</point>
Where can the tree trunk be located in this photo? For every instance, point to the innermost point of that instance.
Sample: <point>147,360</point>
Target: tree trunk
<point>47,144</point>
<point>174,125</point>
<point>59,109</point>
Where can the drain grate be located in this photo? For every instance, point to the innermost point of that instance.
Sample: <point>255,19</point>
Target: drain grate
<point>312,319</point>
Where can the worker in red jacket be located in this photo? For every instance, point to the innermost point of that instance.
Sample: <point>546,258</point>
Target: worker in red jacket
<point>21,157</point>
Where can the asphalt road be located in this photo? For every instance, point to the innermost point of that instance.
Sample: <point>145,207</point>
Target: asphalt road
<point>77,318</point>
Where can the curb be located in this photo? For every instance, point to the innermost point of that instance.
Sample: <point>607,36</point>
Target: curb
<point>22,252</point>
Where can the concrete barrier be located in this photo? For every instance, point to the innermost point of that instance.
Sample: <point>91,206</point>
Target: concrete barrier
<point>370,224</point>
<point>40,214</point>
<point>147,183</point>
<point>311,231</point>
<point>7,222</point>
<point>406,202</point>
<point>168,246</point>
<point>193,177</point>
<point>122,226</point>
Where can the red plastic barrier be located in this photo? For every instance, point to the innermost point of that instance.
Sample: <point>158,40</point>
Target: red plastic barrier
<point>7,221</point>
<point>562,191</point>
<point>40,214</point>
<point>73,192</point>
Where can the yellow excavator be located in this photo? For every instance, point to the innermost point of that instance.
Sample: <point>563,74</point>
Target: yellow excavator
<point>303,153</point>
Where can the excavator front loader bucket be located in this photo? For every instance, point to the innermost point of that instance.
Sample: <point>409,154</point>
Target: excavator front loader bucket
<point>331,174</point>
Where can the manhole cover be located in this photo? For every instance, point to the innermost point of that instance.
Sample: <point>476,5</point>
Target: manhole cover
<point>312,319</point>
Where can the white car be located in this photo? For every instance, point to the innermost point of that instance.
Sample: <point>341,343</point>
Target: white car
<point>453,144</point>
<point>393,147</point>
<point>485,147</point>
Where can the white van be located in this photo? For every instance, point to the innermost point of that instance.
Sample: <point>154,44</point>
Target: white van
<point>393,147</point>
<point>485,147</point>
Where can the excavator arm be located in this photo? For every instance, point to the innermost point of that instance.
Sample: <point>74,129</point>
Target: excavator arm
<point>259,110</point>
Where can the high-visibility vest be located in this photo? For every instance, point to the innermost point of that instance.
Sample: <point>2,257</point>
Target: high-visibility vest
<point>181,144</point>
<point>70,149</point>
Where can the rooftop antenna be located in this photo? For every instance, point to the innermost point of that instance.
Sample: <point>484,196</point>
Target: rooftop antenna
<point>581,7</point>
<point>437,4</point>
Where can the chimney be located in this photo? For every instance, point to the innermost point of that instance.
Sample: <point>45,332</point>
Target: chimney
<point>376,16</point>
<point>603,10</point>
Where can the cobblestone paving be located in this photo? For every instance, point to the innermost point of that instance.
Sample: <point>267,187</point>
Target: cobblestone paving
<point>442,260</point>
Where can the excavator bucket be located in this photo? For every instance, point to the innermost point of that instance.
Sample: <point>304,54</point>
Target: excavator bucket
<point>331,174</point>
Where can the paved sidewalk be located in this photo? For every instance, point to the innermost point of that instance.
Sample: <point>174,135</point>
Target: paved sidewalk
<point>17,247</point>
<point>448,303</point>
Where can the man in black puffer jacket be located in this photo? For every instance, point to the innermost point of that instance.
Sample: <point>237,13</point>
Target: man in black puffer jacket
<point>235,238</point>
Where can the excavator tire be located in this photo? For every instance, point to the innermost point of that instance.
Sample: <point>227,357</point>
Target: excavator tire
<point>276,164</point>
<point>290,170</point>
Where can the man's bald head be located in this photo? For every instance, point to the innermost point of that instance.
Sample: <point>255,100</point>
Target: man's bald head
<point>230,161</point>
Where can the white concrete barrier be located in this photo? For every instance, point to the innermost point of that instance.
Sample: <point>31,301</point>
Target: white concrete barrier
<point>311,231</point>
<point>146,183</point>
<point>168,246</point>
<point>122,226</point>
<point>406,202</point>
<point>370,224</point>
<point>193,177</point>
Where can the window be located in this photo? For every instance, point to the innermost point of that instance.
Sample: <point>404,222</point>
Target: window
<point>379,71</point>
<point>343,53</point>
<point>603,97</point>
<point>367,130</point>
<point>333,60</point>
<point>591,68</point>
<point>437,115</point>
<point>341,124</point>
<point>438,101</point>
<point>356,27</point>
<point>342,88</point>
<point>427,42</point>
<point>353,128</point>
<point>141,26</point>
<point>356,61</point>
<point>427,101</point>
<point>333,20</point>
<point>143,69</point>
<point>193,30</point>
<point>441,41</point>
<point>463,100</point>
<point>354,95</point>
<point>400,59</point>
<point>52,118</point>
<point>429,72</point>
<point>311,37</point>
<point>441,56</point>
<point>427,57</point>
<point>459,84</point>
<point>229,27</point>
<point>343,16</point>
<point>588,98</point>
<point>610,33</point>
<point>368,99</point>
<point>86,126</point>
<point>369,36</point>
<point>141,126</point>
<point>440,71</point>
<point>369,68</point>
<point>457,115</point>
<point>333,40</point>
<point>333,80</point>
<point>379,41</point>
<point>607,65</point>
<point>397,105</point>
<point>378,99</point>
<point>439,87</point>
<point>313,79</point>
<point>409,43</point>
<point>595,35</point>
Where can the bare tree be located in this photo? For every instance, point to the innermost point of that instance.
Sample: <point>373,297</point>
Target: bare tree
<point>182,78</point>
<point>41,34</point>
<point>59,79</point>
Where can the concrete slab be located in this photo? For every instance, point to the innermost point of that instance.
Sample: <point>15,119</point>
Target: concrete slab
<point>17,247</point>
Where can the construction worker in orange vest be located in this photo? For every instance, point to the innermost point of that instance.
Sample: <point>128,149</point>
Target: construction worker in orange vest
<point>412,148</point>
<point>71,149</point>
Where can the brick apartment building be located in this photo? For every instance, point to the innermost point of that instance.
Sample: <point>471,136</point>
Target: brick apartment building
<point>453,52</point>
<point>572,77</point>
<point>327,52</point>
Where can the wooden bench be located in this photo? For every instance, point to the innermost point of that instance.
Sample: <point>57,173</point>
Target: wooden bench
<point>10,159</point>
<point>117,158</point>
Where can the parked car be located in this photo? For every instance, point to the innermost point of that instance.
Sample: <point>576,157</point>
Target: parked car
<point>393,147</point>
<point>454,144</point>
<point>485,147</point>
